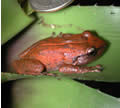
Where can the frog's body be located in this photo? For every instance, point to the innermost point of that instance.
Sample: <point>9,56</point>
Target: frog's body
<point>61,53</point>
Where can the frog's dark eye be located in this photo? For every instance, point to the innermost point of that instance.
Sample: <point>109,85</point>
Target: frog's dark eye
<point>92,51</point>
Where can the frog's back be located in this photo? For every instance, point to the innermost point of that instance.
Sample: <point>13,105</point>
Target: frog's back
<point>52,44</point>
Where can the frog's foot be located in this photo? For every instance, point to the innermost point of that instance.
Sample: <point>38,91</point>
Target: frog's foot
<point>70,69</point>
<point>28,66</point>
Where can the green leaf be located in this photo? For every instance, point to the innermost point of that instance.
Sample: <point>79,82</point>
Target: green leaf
<point>49,92</point>
<point>105,21</point>
<point>5,77</point>
<point>13,19</point>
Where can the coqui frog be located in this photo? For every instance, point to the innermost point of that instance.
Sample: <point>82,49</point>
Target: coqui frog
<point>68,53</point>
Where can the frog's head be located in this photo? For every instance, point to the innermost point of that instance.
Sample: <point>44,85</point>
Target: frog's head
<point>95,49</point>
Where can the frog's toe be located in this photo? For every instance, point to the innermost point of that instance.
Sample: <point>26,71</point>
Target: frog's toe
<point>100,67</point>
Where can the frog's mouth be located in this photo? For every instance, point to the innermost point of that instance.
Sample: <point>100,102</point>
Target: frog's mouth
<point>92,55</point>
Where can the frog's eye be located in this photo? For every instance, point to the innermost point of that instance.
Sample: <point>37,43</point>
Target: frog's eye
<point>92,51</point>
<point>87,34</point>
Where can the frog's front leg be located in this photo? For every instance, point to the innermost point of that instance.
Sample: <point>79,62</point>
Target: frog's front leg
<point>28,66</point>
<point>69,69</point>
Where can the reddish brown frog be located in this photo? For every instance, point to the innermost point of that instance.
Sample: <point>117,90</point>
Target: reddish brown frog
<point>66,53</point>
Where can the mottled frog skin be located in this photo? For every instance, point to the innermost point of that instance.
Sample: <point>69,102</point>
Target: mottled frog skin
<point>67,53</point>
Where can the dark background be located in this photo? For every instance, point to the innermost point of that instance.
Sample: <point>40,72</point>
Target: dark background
<point>97,2</point>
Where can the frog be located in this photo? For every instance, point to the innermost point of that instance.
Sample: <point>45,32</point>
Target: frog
<point>67,53</point>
